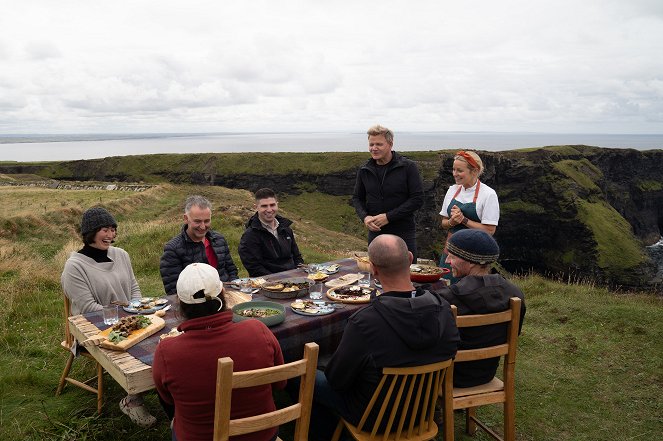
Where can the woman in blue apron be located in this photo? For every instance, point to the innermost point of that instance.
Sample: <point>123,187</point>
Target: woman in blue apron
<point>469,203</point>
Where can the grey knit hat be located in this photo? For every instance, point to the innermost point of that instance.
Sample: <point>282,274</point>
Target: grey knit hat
<point>475,246</point>
<point>96,218</point>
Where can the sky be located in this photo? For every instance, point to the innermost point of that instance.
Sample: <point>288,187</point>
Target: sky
<point>145,66</point>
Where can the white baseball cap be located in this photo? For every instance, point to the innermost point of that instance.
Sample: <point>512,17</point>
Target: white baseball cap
<point>197,283</point>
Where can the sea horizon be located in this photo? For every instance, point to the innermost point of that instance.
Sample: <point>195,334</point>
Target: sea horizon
<point>74,146</point>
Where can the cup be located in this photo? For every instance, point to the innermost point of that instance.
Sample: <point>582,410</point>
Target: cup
<point>110,314</point>
<point>365,281</point>
<point>315,293</point>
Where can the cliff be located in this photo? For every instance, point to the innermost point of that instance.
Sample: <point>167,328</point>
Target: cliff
<point>569,211</point>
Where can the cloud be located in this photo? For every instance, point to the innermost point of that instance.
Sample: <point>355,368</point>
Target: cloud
<point>259,65</point>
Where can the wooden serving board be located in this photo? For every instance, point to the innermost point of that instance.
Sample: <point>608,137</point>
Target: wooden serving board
<point>135,337</point>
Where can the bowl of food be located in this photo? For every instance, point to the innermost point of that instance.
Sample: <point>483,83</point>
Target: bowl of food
<point>363,262</point>
<point>286,288</point>
<point>426,273</point>
<point>270,313</point>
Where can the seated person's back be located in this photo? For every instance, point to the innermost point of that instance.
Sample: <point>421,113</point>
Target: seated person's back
<point>470,254</point>
<point>185,366</point>
<point>402,327</point>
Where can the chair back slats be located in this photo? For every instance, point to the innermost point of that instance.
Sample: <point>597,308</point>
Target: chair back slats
<point>68,338</point>
<point>482,353</point>
<point>264,421</point>
<point>470,321</point>
<point>407,395</point>
<point>271,374</point>
<point>227,380</point>
<point>486,395</point>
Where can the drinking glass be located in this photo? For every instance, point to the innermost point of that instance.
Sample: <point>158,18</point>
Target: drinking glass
<point>315,292</point>
<point>365,281</point>
<point>110,314</point>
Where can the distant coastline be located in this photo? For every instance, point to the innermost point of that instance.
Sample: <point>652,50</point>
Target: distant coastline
<point>58,147</point>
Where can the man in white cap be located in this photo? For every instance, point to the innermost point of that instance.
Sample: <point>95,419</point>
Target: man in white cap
<point>471,253</point>
<point>184,367</point>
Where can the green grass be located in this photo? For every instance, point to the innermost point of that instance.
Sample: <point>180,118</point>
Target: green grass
<point>520,206</point>
<point>650,186</point>
<point>582,172</point>
<point>589,364</point>
<point>617,247</point>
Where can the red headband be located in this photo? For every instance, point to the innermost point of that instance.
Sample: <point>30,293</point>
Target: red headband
<point>470,160</point>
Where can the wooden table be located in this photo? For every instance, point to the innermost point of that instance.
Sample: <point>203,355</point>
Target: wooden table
<point>133,371</point>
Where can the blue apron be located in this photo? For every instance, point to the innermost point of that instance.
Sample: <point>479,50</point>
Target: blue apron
<point>469,210</point>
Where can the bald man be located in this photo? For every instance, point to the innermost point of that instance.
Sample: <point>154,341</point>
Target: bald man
<point>405,326</point>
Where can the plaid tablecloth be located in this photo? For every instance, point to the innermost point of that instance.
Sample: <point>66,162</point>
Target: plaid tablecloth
<point>292,334</point>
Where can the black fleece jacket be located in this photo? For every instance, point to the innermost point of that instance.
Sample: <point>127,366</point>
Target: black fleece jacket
<point>394,330</point>
<point>398,194</point>
<point>262,253</point>
<point>481,295</point>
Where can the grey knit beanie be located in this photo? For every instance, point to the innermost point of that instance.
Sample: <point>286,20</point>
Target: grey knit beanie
<point>96,218</point>
<point>475,246</point>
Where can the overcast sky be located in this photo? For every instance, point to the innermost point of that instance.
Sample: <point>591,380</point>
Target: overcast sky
<point>87,66</point>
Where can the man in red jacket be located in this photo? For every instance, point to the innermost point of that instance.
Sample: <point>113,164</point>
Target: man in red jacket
<point>184,367</point>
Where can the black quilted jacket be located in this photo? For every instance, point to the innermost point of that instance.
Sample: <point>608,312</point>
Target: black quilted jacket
<point>180,251</point>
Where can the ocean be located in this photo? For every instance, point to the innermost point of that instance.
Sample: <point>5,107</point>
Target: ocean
<point>29,148</point>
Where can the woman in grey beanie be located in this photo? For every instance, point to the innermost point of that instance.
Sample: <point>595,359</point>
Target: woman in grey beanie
<point>100,274</point>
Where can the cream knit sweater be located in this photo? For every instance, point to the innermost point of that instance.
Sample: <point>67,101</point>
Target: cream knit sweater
<point>91,285</point>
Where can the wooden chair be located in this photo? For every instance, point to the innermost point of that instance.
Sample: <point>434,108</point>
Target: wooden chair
<point>496,390</point>
<point>67,345</point>
<point>413,388</point>
<point>227,380</point>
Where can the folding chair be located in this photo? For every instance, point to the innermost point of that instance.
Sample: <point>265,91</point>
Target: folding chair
<point>496,390</point>
<point>402,392</point>
<point>227,380</point>
<point>67,344</point>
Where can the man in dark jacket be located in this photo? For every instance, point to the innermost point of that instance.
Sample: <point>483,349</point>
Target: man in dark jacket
<point>197,242</point>
<point>268,243</point>
<point>402,327</point>
<point>470,253</point>
<point>388,190</point>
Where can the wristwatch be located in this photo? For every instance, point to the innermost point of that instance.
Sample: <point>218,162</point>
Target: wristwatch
<point>464,221</point>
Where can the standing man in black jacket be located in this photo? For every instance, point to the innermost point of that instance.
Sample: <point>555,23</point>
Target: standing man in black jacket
<point>197,242</point>
<point>388,190</point>
<point>268,243</point>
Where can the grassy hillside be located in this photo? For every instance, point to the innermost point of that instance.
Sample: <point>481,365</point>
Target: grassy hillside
<point>589,365</point>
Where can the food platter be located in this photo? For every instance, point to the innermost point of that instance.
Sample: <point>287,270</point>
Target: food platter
<point>329,269</point>
<point>345,280</point>
<point>135,336</point>
<point>250,310</point>
<point>363,262</point>
<point>254,283</point>
<point>426,273</point>
<point>351,294</point>
<point>145,305</point>
<point>318,277</point>
<point>311,308</point>
<point>286,288</point>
